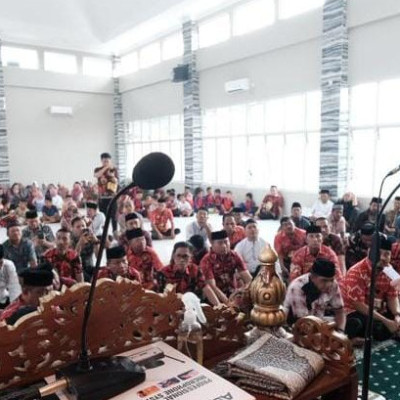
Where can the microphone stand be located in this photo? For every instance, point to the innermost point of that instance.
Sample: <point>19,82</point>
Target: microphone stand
<point>375,255</point>
<point>84,359</point>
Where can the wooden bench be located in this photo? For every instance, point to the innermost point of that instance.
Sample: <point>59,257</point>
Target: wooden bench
<point>125,316</point>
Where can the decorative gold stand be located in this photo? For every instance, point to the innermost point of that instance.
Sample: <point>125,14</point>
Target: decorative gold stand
<point>267,293</point>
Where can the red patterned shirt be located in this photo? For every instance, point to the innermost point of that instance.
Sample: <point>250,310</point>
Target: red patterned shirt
<point>209,200</point>
<point>217,200</point>
<point>106,272</point>
<point>238,235</point>
<point>146,263</point>
<point>68,265</point>
<point>222,269</point>
<point>276,201</point>
<point>227,204</point>
<point>355,287</point>
<point>161,219</point>
<point>295,299</point>
<point>286,245</point>
<point>190,280</point>
<point>395,259</point>
<point>303,260</point>
<point>12,308</point>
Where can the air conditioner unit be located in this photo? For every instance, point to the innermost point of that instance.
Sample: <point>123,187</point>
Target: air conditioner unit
<point>61,110</point>
<point>237,86</point>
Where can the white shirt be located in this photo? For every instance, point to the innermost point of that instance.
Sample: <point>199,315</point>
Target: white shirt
<point>184,206</point>
<point>57,201</point>
<point>98,223</point>
<point>9,283</point>
<point>320,209</point>
<point>249,251</point>
<point>195,229</point>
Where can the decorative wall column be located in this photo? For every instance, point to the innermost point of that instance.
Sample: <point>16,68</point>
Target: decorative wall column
<point>4,159</point>
<point>120,134</point>
<point>334,107</point>
<point>193,141</point>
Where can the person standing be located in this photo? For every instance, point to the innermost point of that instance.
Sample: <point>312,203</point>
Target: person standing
<point>107,181</point>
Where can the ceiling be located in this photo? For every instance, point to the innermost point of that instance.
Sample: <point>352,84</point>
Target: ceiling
<point>96,26</point>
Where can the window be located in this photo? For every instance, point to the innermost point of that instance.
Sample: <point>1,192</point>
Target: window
<point>209,161</point>
<point>291,8</point>
<point>129,64</point>
<point>59,62</point>
<point>253,15</point>
<point>215,30</point>
<point>163,134</point>
<point>275,115</point>
<point>17,57</point>
<point>172,46</point>
<point>97,66</point>
<point>363,107</point>
<point>295,113</point>
<point>150,55</point>
<point>388,102</point>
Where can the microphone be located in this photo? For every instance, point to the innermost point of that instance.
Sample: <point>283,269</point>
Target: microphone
<point>393,171</point>
<point>106,377</point>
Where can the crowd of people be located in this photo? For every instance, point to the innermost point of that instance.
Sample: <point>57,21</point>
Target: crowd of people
<point>323,257</point>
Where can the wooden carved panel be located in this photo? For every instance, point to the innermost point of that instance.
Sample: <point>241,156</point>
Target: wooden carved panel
<point>318,335</point>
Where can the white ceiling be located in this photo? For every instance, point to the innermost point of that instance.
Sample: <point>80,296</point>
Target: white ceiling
<point>96,26</point>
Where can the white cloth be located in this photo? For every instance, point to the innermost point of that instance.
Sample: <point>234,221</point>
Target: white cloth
<point>98,223</point>
<point>9,283</point>
<point>184,206</point>
<point>57,201</point>
<point>249,251</point>
<point>320,209</point>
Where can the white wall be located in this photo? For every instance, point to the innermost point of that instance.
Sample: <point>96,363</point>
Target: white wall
<point>50,148</point>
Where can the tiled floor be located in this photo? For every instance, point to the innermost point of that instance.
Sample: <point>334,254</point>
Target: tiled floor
<point>164,247</point>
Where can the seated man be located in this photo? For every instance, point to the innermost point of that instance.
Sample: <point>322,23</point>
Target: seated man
<point>19,250</point>
<point>220,266</point>
<point>209,198</point>
<point>323,206</point>
<point>314,293</point>
<point>41,235</point>
<point>359,244</point>
<point>50,213</point>
<point>391,217</point>
<point>143,259</point>
<point>185,209</point>
<point>333,241</point>
<point>117,265</point>
<point>235,233</point>
<point>86,244</point>
<point>199,248</point>
<point>227,203</point>
<point>35,284</point>
<point>96,217</point>
<point>287,241</point>
<point>10,288</point>
<point>299,220</point>
<point>355,290</point>
<point>65,260</point>
<point>162,222</point>
<point>305,257</point>
<point>133,221</point>
<point>200,226</point>
<point>276,201</point>
<point>370,215</point>
<point>250,247</point>
<point>249,206</point>
<point>237,213</point>
<point>337,222</point>
<point>186,276</point>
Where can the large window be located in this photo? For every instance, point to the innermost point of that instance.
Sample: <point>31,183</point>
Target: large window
<point>172,46</point>
<point>214,30</point>
<point>163,134</point>
<point>60,62</point>
<point>129,64</point>
<point>18,57</point>
<point>150,55</point>
<point>291,8</point>
<point>264,143</point>
<point>253,15</point>
<point>96,66</point>
<point>374,134</point>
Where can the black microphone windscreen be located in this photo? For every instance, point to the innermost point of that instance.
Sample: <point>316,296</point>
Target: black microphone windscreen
<point>153,171</point>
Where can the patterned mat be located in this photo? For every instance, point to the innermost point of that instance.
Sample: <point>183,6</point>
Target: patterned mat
<point>385,370</point>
